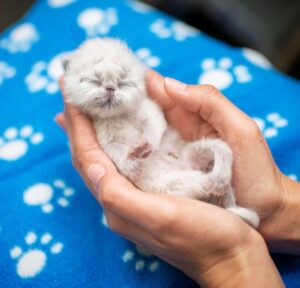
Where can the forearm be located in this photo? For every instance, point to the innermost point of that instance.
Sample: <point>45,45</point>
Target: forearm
<point>252,267</point>
<point>283,232</point>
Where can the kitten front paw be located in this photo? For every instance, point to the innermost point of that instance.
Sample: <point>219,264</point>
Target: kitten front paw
<point>140,151</point>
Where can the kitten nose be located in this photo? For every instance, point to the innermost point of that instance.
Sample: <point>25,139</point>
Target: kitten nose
<point>110,89</point>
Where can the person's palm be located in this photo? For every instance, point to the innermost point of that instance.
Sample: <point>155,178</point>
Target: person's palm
<point>170,232</point>
<point>253,162</point>
<point>168,226</point>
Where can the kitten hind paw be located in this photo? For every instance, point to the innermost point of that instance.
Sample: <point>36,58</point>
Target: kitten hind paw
<point>141,151</point>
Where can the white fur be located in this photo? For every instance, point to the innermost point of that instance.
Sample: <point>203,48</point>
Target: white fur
<point>132,130</point>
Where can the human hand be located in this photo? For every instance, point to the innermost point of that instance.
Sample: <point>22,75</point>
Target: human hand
<point>206,242</point>
<point>202,111</point>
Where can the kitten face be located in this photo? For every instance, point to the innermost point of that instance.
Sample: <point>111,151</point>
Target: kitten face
<point>104,78</point>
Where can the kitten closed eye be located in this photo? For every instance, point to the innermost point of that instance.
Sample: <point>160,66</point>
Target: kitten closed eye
<point>122,84</point>
<point>97,82</point>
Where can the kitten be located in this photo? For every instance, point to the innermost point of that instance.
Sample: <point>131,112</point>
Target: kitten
<point>106,81</point>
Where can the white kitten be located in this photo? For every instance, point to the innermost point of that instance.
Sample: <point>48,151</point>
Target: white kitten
<point>105,79</point>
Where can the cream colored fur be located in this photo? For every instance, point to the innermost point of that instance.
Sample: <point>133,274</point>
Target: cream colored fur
<point>105,79</point>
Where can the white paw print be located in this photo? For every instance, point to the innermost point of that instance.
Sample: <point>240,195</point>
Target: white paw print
<point>293,177</point>
<point>219,75</point>
<point>42,194</point>
<point>176,29</point>
<point>32,261</point>
<point>256,58</point>
<point>103,221</point>
<point>15,143</point>
<point>6,71</point>
<point>139,6</point>
<point>60,3</point>
<point>142,260</point>
<point>271,124</point>
<point>45,76</point>
<point>145,55</point>
<point>97,22</point>
<point>20,39</point>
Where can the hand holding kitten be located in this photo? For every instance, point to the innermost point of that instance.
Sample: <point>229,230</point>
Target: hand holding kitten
<point>106,81</point>
<point>168,233</point>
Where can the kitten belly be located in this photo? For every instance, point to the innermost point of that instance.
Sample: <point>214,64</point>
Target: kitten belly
<point>152,169</point>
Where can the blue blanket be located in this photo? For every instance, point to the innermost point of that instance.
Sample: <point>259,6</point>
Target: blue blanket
<point>52,231</point>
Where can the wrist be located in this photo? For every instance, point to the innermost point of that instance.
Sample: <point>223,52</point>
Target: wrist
<point>238,267</point>
<point>282,230</point>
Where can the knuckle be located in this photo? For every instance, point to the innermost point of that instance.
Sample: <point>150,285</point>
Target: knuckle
<point>107,196</point>
<point>210,90</point>
<point>253,130</point>
<point>207,110</point>
<point>169,220</point>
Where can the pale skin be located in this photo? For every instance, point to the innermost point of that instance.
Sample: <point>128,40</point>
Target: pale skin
<point>184,232</point>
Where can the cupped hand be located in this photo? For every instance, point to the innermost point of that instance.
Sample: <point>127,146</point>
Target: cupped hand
<point>200,239</point>
<point>202,111</point>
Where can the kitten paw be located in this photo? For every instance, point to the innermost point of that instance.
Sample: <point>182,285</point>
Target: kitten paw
<point>141,151</point>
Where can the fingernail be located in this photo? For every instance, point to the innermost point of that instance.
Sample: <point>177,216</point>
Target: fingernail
<point>175,84</point>
<point>95,173</point>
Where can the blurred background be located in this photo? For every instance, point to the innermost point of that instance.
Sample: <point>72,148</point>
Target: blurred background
<point>269,26</point>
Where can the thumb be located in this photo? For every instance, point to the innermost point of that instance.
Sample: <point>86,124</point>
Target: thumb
<point>211,105</point>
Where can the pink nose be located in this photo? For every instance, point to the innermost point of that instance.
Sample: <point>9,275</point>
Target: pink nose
<point>110,92</point>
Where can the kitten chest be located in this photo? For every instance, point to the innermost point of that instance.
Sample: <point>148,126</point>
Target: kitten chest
<point>125,131</point>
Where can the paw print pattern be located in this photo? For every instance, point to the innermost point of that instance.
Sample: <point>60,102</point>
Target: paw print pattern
<point>256,58</point>
<point>60,3</point>
<point>293,177</point>
<point>6,72</point>
<point>177,30</point>
<point>15,143</point>
<point>97,22</point>
<point>139,7</point>
<point>145,55</point>
<point>42,194</point>
<point>271,124</point>
<point>45,76</point>
<point>32,261</point>
<point>219,74</point>
<point>103,221</point>
<point>20,39</point>
<point>142,260</point>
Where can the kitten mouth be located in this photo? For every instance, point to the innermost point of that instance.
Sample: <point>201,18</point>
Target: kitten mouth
<point>106,102</point>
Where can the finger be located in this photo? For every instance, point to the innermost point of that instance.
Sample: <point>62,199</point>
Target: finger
<point>211,105</point>
<point>61,121</point>
<point>159,215</point>
<point>130,231</point>
<point>155,89</point>
<point>118,195</point>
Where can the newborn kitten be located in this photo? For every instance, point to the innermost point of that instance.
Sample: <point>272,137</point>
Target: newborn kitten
<point>106,81</point>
